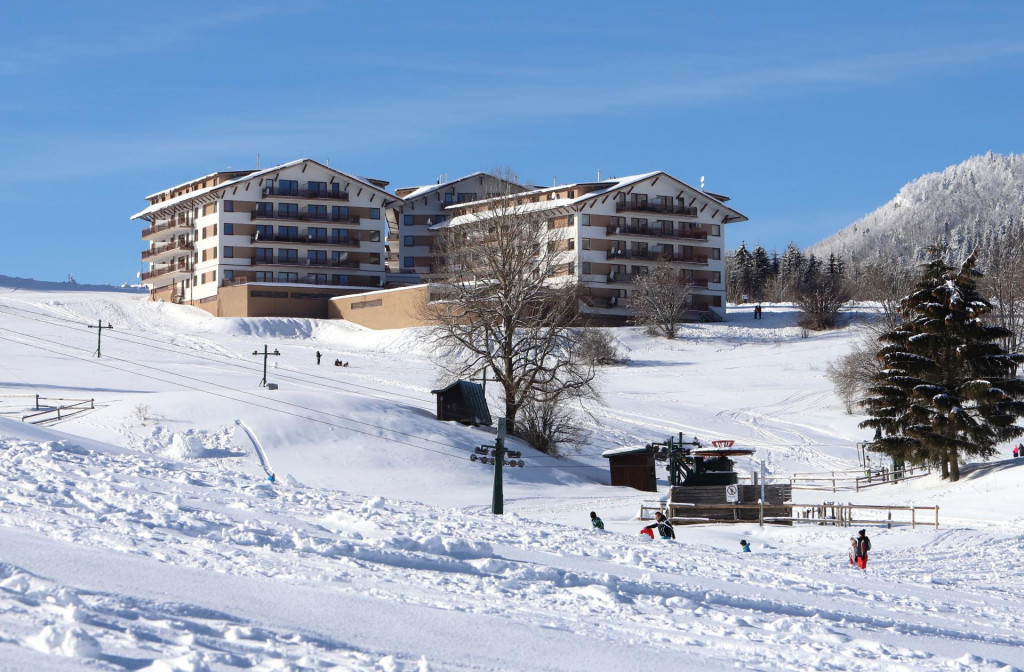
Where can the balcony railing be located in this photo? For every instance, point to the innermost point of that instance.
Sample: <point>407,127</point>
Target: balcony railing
<point>166,226</point>
<point>157,251</point>
<point>183,267</point>
<point>676,209</point>
<point>277,261</point>
<point>650,255</point>
<point>654,232</point>
<point>306,240</point>
<point>353,281</point>
<point>305,193</point>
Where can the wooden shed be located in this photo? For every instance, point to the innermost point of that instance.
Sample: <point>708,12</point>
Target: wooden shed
<point>464,402</point>
<point>633,467</point>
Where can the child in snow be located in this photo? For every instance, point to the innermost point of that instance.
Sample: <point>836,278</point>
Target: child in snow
<point>663,525</point>
<point>863,546</point>
<point>595,521</point>
<point>853,551</point>
<point>745,546</point>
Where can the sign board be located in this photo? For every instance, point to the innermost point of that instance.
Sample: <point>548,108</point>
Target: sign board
<point>723,443</point>
<point>732,493</point>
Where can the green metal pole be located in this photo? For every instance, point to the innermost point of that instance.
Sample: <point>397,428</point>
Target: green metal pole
<point>498,497</point>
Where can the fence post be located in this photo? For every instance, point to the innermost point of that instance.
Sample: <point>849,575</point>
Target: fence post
<point>833,481</point>
<point>913,521</point>
<point>888,524</point>
<point>936,517</point>
<point>37,402</point>
<point>760,512</point>
<point>92,404</point>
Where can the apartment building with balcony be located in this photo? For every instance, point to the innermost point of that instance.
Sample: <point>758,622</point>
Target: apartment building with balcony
<point>412,231</point>
<point>608,233</point>
<point>277,241</point>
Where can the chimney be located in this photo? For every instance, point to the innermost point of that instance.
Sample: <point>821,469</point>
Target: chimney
<point>598,174</point>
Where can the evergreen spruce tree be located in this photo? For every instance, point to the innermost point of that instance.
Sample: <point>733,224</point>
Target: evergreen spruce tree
<point>791,270</point>
<point>761,271</point>
<point>742,277</point>
<point>946,390</point>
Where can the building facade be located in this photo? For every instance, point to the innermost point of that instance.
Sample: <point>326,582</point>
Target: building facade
<point>278,241</point>
<point>413,225</point>
<point>608,233</point>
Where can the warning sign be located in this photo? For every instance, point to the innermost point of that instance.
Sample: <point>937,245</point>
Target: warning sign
<point>723,443</point>
<point>732,493</point>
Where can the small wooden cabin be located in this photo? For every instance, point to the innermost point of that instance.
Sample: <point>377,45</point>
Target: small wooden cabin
<point>633,467</point>
<point>464,402</point>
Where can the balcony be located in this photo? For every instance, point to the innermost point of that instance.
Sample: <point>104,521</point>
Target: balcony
<point>307,194</point>
<point>354,281</point>
<point>181,268</point>
<point>644,206</point>
<point>166,251</point>
<point>175,225</point>
<point>307,240</point>
<point>654,232</point>
<point>651,255</point>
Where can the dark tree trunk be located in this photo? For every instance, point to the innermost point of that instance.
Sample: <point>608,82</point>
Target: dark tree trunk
<point>954,468</point>
<point>945,467</point>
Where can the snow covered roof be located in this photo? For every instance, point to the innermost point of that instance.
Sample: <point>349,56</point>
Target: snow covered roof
<point>429,188</point>
<point>626,450</point>
<point>156,207</point>
<point>605,187</point>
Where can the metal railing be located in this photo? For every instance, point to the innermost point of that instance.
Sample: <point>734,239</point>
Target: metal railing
<point>166,226</point>
<point>157,251</point>
<point>654,232</point>
<point>305,193</point>
<point>659,208</point>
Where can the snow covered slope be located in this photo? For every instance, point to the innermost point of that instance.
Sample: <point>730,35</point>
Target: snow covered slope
<point>144,535</point>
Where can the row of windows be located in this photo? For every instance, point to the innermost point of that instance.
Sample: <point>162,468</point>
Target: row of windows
<point>313,234</point>
<point>291,276</point>
<point>266,255</point>
<point>286,210</point>
<point>410,220</point>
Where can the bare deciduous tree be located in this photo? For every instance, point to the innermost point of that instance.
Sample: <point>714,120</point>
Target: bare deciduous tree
<point>506,301</point>
<point>1004,285</point>
<point>821,298</point>
<point>660,299</point>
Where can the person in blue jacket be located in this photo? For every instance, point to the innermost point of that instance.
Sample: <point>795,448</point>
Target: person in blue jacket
<point>596,521</point>
<point>745,546</point>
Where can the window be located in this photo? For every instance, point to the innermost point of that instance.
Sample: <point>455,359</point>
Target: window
<point>288,233</point>
<point>229,229</point>
<point>441,218</point>
<point>339,279</point>
<point>716,253</point>
<point>288,256</point>
<point>571,267</point>
<point>229,252</point>
<point>407,262</point>
<point>289,210</point>
<point>571,244</point>
<point>339,212</point>
<point>465,198</point>
<point>265,210</point>
<point>263,255</point>
<point>586,267</point>
<point>716,277</point>
<point>316,234</point>
<point>335,189</point>
<point>229,275</point>
<point>584,220</point>
<point>288,187</point>
<point>229,206</point>
<point>374,236</point>
<point>408,220</point>
<point>268,185</point>
<point>408,241</point>
<point>585,244</point>
<point>716,229</point>
<point>317,188</point>
<point>318,279</point>
<point>264,232</point>
<point>288,276</point>
<point>317,257</point>
<point>570,220</point>
<point>449,198</point>
<point>374,213</point>
<point>316,211</point>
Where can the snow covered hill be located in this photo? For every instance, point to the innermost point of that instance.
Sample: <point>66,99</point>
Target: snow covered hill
<point>978,204</point>
<point>143,535</point>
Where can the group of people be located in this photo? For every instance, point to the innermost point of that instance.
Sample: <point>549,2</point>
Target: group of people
<point>757,312</point>
<point>859,545</point>
<point>337,362</point>
<point>1018,451</point>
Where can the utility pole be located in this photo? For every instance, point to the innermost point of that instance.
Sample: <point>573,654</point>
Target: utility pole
<point>99,334</point>
<point>266,353</point>
<point>498,497</point>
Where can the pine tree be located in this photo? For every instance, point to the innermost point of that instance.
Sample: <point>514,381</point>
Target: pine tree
<point>761,272</point>
<point>791,270</point>
<point>741,272</point>
<point>946,390</point>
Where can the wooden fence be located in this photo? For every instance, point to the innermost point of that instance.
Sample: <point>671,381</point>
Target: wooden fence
<point>60,412</point>
<point>828,513</point>
<point>850,479</point>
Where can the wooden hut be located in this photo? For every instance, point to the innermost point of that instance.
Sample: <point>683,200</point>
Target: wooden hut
<point>464,402</point>
<point>633,467</point>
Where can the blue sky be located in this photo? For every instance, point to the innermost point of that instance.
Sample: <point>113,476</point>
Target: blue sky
<point>808,114</point>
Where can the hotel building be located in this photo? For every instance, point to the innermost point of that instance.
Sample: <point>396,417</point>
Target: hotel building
<point>279,241</point>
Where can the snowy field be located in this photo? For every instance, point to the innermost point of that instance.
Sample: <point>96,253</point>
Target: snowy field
<point>143,535</point>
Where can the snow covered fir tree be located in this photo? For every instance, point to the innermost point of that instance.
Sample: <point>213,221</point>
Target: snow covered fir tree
<point>947,390</point>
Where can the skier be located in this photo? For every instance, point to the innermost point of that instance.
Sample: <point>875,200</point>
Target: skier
<point>745,546</point>
<point>1016,451</point>
<point>595,521</point>
<point>663,525</point>
<point>863,546</point>
<point>318,358</point>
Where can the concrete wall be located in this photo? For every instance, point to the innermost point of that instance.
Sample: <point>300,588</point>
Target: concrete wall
<point>385,309</point>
